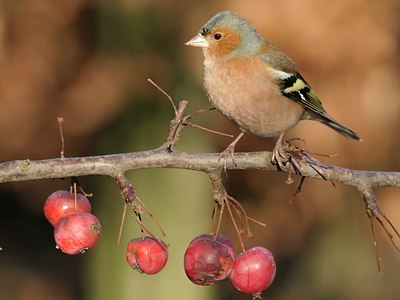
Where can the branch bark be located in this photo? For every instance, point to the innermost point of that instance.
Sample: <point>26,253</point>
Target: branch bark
<point>112,165</point>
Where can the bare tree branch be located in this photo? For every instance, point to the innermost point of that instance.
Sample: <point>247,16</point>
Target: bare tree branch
<point>112,165</point>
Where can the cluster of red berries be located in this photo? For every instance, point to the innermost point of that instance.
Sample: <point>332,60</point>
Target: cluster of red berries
<point>210,259</point>
<point>75,228</point>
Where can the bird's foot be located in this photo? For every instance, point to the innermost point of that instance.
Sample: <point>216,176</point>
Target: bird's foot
<point>229,151</point>
<point>226,154</point>
<point>279,156</point>
<point>286,154</point>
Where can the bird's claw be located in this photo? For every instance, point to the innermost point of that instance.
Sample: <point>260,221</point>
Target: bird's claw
<point>280,157</point>
<point>230,150</point>
<point>227,153</point>
<point>286,153</point>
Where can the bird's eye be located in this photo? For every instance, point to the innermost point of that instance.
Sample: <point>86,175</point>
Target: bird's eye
<point>217,36</point>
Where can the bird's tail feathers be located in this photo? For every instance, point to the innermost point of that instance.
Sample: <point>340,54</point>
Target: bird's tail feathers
<point>343,130</point>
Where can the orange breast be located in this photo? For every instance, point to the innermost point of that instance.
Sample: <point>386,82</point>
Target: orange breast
<point>245,91</point>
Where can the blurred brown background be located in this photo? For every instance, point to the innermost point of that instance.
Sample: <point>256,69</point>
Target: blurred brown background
<point>88,61</point>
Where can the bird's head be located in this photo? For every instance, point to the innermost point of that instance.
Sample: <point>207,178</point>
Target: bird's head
<point>227,35</point>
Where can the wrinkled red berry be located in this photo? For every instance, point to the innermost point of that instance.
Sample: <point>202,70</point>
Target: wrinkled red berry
<point>219,238</point>
<point>62,203</point>
<point>253,271</point>
<point>207,261</point>
<point>77,233</point>
<point>147,255</point>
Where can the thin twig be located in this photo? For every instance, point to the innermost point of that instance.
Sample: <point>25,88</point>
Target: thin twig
<point>165,94</point>
<point>192,114</point>
<point>209,130</point>
<point>222,200</point>
<point>239,232</point>
<point>175,128</point>
<point>135,203</point>
<point>375,213</point>
<point>122,223</point>
<point>376,248</point>
<point>298,190</point>
<point>60,121</point>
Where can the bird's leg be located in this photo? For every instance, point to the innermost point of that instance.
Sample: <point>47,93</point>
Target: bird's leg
<point>230,150</point>
<point>278,158</point>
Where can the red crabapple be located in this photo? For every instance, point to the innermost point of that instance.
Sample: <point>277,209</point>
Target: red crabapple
<point>147,255</point>
<point>207,261</point>
<point>219,238</point>
<point>77,233</point>
<point>253,271</point>
<point>62,203</point>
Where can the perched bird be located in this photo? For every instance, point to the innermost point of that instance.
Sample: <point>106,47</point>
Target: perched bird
<point>254,83</point>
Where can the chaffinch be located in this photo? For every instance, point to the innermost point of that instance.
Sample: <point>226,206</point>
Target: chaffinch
<point>254,83</point>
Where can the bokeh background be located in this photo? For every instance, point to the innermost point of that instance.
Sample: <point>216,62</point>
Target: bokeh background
<point>88,61</point>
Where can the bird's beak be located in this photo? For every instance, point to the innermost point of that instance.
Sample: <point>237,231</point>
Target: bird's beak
<point>198,41</point>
